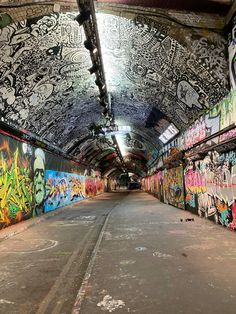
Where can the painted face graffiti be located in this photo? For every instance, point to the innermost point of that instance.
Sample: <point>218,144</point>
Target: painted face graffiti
<point>39,174</point>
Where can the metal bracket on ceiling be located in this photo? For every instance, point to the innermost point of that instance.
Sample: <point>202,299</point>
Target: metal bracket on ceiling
<point>87,19</point>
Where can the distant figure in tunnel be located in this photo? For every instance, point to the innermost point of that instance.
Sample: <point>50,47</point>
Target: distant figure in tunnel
<point>39,181</point>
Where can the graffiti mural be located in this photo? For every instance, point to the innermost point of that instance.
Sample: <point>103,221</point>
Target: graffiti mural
<point>93,186</point>
<point>211,187</point>
<point>32,181</point>
<point>220,176</point>
<point>16,185</point>
<point>218,118</point>
<point>152,67</point>
<point>195,185</point>
<point>100,186</point>
<point>39,181</point>
<point>221,116</point>
<point>232,51</point>
<point>63,189</point>
<point>173,187</point>
<point>43,75</point>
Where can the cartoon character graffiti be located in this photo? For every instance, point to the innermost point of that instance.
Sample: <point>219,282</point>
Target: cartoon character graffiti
<point>39,180</point>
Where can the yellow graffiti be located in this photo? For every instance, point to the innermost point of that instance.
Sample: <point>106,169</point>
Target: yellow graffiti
<point>77,188</point>
<point>15,190</point>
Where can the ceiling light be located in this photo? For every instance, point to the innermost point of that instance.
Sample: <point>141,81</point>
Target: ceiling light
<point>83,16</point>
<point>94,68</point>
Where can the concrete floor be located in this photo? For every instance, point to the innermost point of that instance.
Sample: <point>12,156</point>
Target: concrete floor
<point>42,267</point>
<point>148,261</point>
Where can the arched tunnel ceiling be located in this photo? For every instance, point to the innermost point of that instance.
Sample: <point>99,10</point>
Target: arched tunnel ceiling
<point>146,68</point>
<point>155,75</point>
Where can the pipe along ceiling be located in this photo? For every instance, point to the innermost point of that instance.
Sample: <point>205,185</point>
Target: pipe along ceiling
<point>147,73</point>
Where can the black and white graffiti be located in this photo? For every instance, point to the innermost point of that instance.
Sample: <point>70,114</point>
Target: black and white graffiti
<point>154,79</point>
<point>145,65</point>
<point>44,83</point>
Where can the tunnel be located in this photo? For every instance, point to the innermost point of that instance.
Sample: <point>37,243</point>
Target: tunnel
<point>117,156</point>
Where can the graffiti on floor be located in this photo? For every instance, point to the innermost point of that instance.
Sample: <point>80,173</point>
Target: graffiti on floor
<point>17,246</point>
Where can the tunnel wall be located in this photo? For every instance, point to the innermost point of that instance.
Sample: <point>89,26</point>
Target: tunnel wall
<point>205,180</point>
<point>34,181</point>
<point>205,187</point>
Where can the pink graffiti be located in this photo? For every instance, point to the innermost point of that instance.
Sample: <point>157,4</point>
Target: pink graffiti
<point>228,135</point>
<point>196,133</point>
<point>195,182</point>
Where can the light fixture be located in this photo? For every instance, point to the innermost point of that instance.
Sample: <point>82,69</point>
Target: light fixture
<point>105,111</point>
<point>100,83</point>
<point>102,94</point>
<point>90,46</point>
<point>83,16</point>
<point>94,68</point>
<point>103,102</point>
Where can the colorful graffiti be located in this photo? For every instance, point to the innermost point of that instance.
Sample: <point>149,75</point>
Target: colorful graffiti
<point>63,189</point>
<point>16,185</point>
<point>194,184</point>
<point>167,186</point>
<point>93,186</point>
<point>217,194</point>
<point>100,186</point>
<point>154,184</point>
<point>28,188</point>
<point>209,184</point>
<point>216,119</point>
<point>173,187</point>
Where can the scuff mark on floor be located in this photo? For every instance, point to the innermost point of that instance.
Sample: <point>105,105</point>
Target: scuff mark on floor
<point>110,304</point>
<point>2,301</point>
<point>127,262</point>
<point>161,255</point>
<point>202,246</point>
<point>107,235</point>
<point>125,237</point>
<point>176,232</point>
<point>140,248</point>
